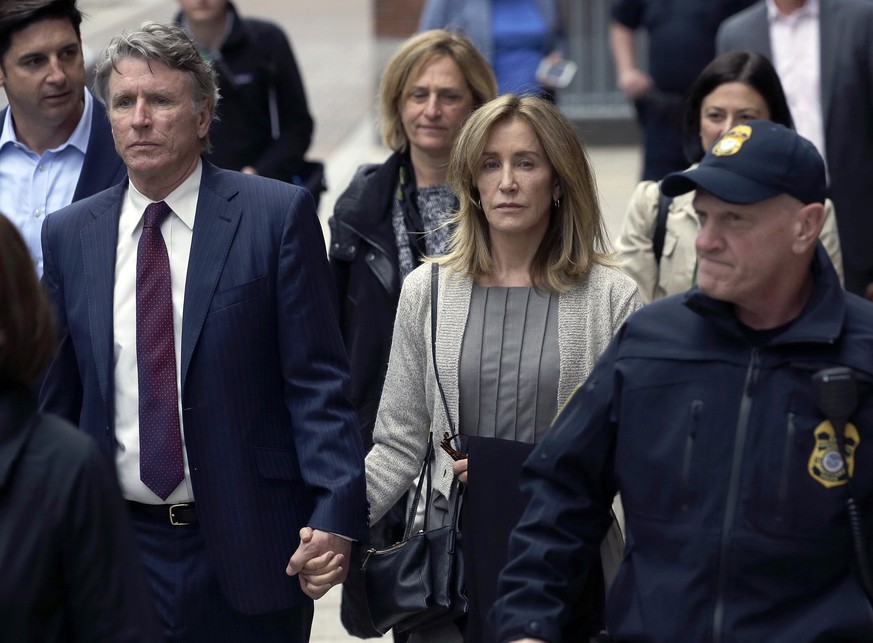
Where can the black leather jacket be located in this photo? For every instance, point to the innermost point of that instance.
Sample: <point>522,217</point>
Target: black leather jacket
<point>363,256</point>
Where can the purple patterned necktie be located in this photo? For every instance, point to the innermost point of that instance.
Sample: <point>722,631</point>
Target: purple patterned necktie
<point>160,439</point>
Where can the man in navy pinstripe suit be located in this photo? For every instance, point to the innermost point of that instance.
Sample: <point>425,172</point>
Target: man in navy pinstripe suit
<point>268,440</point>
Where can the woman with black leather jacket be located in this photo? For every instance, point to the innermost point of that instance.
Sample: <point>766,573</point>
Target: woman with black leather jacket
<point>392,215</point>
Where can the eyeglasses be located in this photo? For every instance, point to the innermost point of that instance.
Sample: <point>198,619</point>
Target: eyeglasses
<point>446,445</point>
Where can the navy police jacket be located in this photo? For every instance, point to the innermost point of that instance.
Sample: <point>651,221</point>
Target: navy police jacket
<point>734,495</point>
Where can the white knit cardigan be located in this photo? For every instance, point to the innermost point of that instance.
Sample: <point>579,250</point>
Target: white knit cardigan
<point>411,410</point>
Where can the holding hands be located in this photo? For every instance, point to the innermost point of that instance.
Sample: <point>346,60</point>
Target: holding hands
<point>319,561</point>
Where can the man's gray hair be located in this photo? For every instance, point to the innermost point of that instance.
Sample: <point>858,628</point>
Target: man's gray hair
<point>170,45</point>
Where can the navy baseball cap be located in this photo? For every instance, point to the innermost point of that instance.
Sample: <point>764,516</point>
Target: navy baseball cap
<point>755,161</point>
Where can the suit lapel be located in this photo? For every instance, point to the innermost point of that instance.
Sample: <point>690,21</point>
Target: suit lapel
<point>99,244</point>
<point>828,70</point>
<point>215,226</point>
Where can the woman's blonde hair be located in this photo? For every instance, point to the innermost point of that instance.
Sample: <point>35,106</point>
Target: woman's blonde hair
<point>407,64</point>
<point>575,238</point>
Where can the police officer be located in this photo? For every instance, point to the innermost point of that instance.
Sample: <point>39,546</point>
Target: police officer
<point>703,414</point>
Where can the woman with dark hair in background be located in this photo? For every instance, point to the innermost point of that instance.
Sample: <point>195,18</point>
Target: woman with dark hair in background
<point>70,571</point>
<point>733,88</point>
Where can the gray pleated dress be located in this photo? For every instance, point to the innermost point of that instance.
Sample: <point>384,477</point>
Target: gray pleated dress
<point>510,363</point>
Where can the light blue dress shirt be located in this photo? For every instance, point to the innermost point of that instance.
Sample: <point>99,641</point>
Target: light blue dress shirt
<point>32,186</point>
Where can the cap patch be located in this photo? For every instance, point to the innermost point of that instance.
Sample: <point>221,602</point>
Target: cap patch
<point>733,141</point>
<point>774,160</point>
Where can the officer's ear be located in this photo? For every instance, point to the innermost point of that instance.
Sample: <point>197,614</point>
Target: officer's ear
<point>809,220</point>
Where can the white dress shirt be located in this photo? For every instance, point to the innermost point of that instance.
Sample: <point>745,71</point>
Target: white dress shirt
<point>795,42</point>
<point>32,186</point>
<point>177,230</point>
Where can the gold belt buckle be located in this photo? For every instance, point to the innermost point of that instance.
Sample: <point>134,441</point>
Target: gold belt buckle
<point>173,520</point>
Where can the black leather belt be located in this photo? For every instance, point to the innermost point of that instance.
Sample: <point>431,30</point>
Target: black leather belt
<point>181,514</point>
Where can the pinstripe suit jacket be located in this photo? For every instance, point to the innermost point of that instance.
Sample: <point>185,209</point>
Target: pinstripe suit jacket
<point>271,439</point>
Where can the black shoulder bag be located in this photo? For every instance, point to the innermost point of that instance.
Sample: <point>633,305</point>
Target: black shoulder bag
<point>660,234</point>
<point>419,582</point>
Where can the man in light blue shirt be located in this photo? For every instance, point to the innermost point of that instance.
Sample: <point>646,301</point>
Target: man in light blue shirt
<point>55,142</point>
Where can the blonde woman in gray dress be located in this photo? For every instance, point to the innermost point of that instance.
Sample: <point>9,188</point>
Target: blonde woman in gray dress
<point>528,298</point>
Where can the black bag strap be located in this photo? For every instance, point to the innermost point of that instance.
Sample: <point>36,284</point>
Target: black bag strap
<point>429,455</point>
<point>413,509</point>
<point>434,287</point>
<point>664,202</point>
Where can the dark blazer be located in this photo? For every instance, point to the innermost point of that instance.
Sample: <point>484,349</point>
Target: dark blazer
<point>271,438</point>
<point>102,167</point>
<point>846,28</point>
<point>70,572</point>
